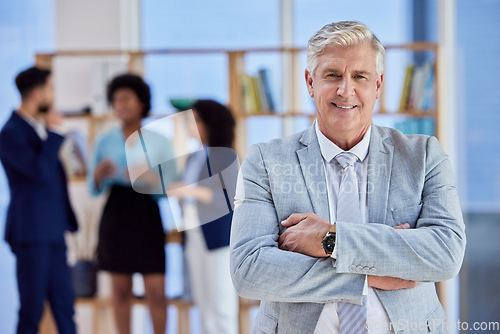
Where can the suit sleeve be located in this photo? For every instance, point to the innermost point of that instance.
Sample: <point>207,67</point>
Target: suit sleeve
<point>260,270</point>
<point>27,161</point>
<point>432,251</point>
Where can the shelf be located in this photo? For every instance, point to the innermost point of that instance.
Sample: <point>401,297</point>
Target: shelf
<point>236,59</point>
<point>416,46</point>
<point>174,236</point>
<point>274,114</point>
<point>407,113</point>
<point>74,115</point>
<point>77,179</point>
<point>140,53</point>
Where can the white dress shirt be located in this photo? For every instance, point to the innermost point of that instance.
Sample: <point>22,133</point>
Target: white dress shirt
<point>377,319</point>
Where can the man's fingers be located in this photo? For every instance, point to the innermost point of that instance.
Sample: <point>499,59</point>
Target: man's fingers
<point>413,284</point>
<point>294,219</point>
<point>281,239</point>
<point>404,226</point>
<point>390,283</point>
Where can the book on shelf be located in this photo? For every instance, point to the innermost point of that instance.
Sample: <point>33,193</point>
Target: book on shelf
<point>424,126</point>
<point>406,88</point>
<point>427,100</point>
<point>247,90</point>
<point>256,93</point>
<point>418,91</point>
<point>265,90</point>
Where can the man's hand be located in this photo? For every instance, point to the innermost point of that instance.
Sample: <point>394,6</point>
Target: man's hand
<point>404,226</point>
<point>390,283</point>
<point>304,234</point>
<point>53,118</point>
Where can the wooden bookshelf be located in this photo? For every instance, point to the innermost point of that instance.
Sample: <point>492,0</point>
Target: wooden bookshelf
<point>236,68</point>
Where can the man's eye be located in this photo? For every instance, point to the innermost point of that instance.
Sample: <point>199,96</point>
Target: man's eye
<point>333,75</point>
<point>359,77</point>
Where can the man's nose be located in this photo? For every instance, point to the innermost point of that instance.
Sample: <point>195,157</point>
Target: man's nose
<point>345,88</point>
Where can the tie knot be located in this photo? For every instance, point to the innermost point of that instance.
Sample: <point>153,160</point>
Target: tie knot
<point>346,159</point>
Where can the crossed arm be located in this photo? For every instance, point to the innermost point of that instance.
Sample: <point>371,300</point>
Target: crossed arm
<point>261,270</point>
<point>304,234</point>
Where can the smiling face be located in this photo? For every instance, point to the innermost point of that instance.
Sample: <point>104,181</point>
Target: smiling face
<point>127,106</point>
<point>345,86</point>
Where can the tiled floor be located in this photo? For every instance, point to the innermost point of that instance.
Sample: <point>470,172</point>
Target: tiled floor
<point>480,276</point>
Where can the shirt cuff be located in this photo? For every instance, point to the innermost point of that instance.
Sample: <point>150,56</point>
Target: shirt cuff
<point>334,253</point>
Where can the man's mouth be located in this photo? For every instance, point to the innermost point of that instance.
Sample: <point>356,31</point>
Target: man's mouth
<point>345,107</point>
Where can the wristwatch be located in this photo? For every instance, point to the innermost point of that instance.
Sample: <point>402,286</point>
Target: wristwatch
<point>329,240</point>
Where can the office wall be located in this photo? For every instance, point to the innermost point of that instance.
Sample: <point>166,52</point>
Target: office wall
<point>478,71</point>
<point>88,25</point>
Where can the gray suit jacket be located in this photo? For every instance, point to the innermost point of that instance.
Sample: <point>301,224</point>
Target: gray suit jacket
<point>409,181</point>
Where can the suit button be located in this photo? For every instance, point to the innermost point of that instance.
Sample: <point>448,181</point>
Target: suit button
<point>352,267</point>
<point>366,270</point>
<point>359,269</point>
<point>373,271</point>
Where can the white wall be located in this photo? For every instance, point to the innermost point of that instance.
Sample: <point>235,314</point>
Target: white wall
<point>91,25</point>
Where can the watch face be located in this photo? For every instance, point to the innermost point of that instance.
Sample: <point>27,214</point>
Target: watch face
<point>329,243</point>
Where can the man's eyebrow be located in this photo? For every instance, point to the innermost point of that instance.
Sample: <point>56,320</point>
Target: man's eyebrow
<point>330,69</point>
<point>363,72</point>
<point>357,72</point>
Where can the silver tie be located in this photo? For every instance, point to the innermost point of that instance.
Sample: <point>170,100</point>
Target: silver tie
<point>352,317</point>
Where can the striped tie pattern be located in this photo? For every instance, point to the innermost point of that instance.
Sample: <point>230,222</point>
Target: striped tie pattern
<point>348,198</point>
<point>352,317</point>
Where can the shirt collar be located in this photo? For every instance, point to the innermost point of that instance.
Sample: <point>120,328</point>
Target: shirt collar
<point>28,118</point>
<point>329,150</point>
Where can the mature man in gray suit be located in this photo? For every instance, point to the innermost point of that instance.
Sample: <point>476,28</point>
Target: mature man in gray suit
<point>321,262</point>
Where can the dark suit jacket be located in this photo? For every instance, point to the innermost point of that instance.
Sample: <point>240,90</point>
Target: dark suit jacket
<point>39,209</point>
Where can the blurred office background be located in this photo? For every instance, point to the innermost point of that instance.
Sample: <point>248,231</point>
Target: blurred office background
<point>466,31</point>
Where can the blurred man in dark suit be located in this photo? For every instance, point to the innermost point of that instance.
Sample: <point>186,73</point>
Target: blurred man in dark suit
<point>39,210</point>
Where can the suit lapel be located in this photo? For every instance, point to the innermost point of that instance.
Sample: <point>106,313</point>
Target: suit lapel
<point>313,171</point>
<point>379,175</point>
<point>26,127</point>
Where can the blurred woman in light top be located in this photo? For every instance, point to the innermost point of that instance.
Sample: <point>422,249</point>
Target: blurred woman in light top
<point>131,235</point>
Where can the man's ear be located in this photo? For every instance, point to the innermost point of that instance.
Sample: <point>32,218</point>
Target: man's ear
<point>309,83</point>
<point>379,82</point>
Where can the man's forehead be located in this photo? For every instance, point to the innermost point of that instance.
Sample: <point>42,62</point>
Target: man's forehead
<point>339,65</point>
<point>357,57</point>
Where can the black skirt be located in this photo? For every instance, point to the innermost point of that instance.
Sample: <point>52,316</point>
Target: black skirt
<point>131,236</point>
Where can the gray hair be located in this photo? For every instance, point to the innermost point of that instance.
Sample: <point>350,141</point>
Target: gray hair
<point>343,34</point>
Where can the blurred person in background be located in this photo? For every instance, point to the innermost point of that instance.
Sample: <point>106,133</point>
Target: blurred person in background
<point>207,239</point>
<point>39,211</point>
<point>131,235</point>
